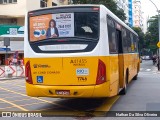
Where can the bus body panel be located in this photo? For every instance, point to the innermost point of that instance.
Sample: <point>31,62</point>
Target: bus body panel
<point>131,63</point>
<point>69,81</point>
<point>114,75</point>
<point>64,71</point>
<point>75,91</point>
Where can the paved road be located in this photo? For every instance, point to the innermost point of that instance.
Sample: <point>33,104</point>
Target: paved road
<point>142,95</point>
<point>13,98</point>
<point>147,66</point>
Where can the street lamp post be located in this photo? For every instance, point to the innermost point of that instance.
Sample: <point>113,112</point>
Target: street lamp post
<point>159,39</point>
<point>158,32</point>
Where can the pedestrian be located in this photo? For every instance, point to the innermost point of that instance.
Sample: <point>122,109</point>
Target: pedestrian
<point>158,63</point>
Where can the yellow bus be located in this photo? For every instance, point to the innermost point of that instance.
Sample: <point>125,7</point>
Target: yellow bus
<point>78,51</point>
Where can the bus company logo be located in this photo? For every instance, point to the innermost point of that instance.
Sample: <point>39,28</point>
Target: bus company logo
<point>41,66</point>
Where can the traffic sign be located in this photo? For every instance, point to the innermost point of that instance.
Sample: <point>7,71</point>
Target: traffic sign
<point>20,71</point>
<point>158,44</point>
<point>2,71</point>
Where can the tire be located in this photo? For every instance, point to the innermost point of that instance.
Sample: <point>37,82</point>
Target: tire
<point>124,90</point>
<point>135,77</point>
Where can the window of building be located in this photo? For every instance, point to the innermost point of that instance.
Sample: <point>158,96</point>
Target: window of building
<point>15,1</point>
<point>54,4</point>
<point>11,21</point>
<point>7,1</point>
<point>43,3</point>
<point>10,1</point>
<point>70,1</point>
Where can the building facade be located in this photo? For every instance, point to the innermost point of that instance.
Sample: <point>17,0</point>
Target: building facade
<point>12,15</point>
<point>123,4</point>
<point>138,14</point>
<point>13,11</point>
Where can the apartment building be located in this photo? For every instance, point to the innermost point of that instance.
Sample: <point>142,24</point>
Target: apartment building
<point>138,14</point>
<point>123,4</point>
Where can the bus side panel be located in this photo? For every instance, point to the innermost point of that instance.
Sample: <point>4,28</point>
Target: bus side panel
<point>131,63</point>
<point>135,64</point>
<point>114,75</point>
<point>121,70</point>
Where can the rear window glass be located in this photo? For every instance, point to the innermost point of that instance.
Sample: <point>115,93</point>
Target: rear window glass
<point>58,25</point>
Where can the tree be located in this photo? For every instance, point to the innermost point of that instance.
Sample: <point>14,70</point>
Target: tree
<point>110,4</point>
<point>142,43</point>
<point>151,36</point>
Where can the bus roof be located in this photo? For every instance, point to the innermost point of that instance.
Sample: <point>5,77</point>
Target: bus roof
<point>92,5</point>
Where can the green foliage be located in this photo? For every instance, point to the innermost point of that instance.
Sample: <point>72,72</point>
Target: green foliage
<point>141,35</point>
<point>151,36</point>
<point>110,4</point>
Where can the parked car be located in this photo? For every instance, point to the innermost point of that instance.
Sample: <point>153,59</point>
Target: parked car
<point>147,57</point>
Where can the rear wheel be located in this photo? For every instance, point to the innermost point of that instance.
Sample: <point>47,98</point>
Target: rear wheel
<point>135,77</point>
<point>124,90</point>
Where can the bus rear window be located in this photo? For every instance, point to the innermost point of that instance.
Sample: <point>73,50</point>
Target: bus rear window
<point>83,25</point>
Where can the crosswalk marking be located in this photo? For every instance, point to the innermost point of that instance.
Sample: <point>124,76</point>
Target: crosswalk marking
<point>148,69</point>
<point>152,70</point>
<point>141,69</point>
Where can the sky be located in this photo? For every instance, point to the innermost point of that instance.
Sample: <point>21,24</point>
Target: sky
<point>148,8</point>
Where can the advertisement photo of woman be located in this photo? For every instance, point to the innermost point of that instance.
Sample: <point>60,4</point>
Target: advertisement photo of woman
<point>52,31</point>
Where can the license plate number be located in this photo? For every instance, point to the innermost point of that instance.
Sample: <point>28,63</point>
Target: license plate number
<point>62,92</point>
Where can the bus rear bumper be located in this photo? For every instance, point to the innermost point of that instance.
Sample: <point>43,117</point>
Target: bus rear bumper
<point>74,91</point>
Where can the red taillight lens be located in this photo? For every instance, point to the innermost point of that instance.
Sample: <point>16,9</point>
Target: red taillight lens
<point>28,73</point>
<point>101,73</point>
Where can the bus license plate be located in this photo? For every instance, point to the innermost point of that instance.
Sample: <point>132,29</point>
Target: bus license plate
<point>62,92</point>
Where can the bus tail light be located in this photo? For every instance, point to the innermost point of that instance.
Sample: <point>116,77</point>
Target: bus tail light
<point>101,73</point>
<point>28,73</point>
